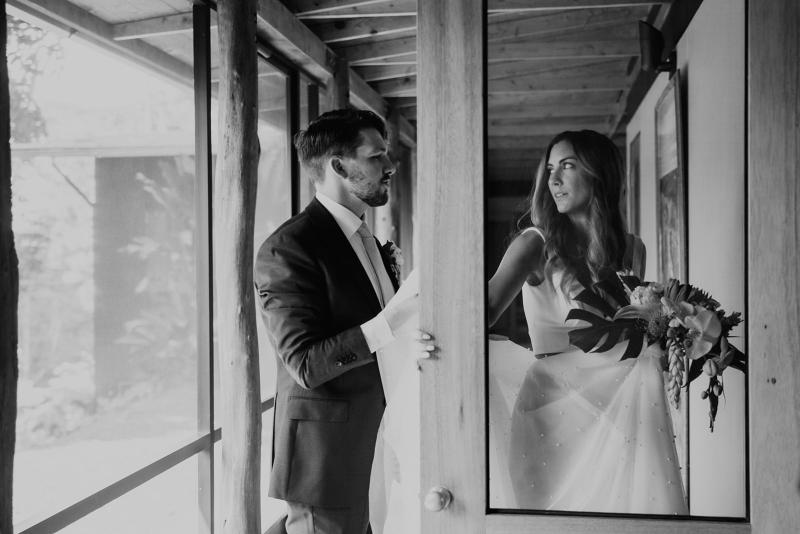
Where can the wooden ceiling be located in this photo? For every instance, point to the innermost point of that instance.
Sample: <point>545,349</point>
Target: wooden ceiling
<point>553,65</point>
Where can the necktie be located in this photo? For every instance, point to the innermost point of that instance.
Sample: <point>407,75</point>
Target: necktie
<point>384,287</point>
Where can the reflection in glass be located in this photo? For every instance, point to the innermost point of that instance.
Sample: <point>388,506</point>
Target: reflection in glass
<point>570,431</point>
<point>103,199</point>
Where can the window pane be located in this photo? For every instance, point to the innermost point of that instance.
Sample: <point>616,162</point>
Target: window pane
<point>103,196</point>
<point>166,504</point>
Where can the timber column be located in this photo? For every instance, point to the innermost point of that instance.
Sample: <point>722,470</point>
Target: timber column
<point>233,209</point>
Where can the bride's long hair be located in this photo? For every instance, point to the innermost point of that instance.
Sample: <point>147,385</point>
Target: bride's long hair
<point>581,256</point>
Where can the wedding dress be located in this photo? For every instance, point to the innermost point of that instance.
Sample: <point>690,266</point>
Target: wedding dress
<point>584,432</point>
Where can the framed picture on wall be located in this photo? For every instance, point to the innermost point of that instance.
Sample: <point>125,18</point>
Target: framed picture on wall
<point>632,191</point>
<point>671,223</point>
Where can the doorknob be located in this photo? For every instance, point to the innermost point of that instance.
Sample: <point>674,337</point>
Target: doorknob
<point>437,499</point>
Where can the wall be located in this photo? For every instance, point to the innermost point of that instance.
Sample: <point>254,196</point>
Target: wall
<point>711,59</point>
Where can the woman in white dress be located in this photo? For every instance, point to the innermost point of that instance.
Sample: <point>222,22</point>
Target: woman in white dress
<point>587,432</point>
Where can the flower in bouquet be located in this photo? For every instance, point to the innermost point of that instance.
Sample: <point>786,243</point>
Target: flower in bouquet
<point>681,319</point>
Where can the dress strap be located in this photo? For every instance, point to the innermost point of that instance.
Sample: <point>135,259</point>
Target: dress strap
<point>534,229</point>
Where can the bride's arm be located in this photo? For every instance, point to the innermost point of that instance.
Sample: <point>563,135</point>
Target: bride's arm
<point>524,256</point>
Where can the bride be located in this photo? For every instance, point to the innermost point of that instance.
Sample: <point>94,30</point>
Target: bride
<point>578,432</point>
<point>588,432</point>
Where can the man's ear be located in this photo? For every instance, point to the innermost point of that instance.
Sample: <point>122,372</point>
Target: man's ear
<point>338,168</point>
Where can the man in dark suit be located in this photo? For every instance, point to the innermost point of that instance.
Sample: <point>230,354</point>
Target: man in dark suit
<point>325,287</point>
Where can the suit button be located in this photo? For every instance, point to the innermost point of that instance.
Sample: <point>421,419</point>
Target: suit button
<point>339,363</point>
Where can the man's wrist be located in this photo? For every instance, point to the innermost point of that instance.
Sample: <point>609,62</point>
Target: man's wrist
<point>377,332</point>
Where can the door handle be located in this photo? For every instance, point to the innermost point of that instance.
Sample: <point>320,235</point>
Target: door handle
<point>437,499</point>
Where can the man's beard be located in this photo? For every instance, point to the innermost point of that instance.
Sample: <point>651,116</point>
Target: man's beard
<point>372,194</point>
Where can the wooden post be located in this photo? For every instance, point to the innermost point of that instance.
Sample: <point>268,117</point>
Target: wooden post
<point>338,88</point>
<point>9,294</point>
<point>773,45</point>
<point>234,212</point>
<point>450,130</point>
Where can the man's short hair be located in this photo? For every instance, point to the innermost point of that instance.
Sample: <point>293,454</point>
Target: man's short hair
<point>335,133</point>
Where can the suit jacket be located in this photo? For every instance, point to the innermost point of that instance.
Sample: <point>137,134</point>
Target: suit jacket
<point>314,295</point>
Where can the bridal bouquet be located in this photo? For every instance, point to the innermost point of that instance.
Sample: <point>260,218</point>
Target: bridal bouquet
<point>684,321</point>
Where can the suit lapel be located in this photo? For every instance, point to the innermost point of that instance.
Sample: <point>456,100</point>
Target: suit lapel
<point>339,253</point>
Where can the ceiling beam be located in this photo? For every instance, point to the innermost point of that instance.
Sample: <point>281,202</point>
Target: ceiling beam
<point>397,87</point>
<point>390,48</point>
<point>364,96</point>
<point>548,112</point>
<point>562,49</point>
<point>561,67</point>
<point>531,141</point>
<point>156,27</point>
<point>329,9</point>
<point>520,6</point>
<point>557,22</point>
<point>343,30</point>
<point>551,98</point>
<point>373,73</point>
<point>72,18</point>
<point>559,83</point>
<point>546,126</point>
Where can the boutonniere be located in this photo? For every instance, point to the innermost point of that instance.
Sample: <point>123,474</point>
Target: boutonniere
<point>395,256</point>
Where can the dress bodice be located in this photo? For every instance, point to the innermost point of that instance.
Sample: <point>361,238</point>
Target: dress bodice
<point>546,308</point>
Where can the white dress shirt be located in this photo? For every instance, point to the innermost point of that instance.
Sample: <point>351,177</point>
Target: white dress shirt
<point>376,331</point>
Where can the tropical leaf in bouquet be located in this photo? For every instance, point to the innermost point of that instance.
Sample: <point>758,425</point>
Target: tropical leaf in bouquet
<point>604,334</point>
<point>590,298</point>
<point>614,289</point>
<point>632,282</point>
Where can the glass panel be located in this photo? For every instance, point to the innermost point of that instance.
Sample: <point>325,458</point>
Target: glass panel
<point>145,509</point>
<point>576,422</point>
<point>103,196</point>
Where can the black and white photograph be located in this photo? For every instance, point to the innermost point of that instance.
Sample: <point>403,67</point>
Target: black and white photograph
<point>399,266</point>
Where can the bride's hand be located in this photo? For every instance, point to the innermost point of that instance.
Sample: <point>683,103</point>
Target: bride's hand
<point>425,345</point>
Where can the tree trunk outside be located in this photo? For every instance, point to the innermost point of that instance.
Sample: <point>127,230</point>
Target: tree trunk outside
<point>234,213</point>
<point>9,295</point>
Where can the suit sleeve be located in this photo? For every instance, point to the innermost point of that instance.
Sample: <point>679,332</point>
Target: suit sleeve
<point>293,299</point>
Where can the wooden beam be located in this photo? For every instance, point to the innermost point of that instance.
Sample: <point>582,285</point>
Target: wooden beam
<point>343,30</point>
<point>562,49</point>
<point>560,67</point>
<point>558,22</point>
<point>234,213</point>
<point>338,88</point>
<point>389,48</point>
<point>398,87</point>
<point>329,9</point>
<point>545,112</point>
<point>522,101</point>
<point>280,29</point>
<point>155,27</point>
<point>9,296</point>
<point>773,262</point>
<point>520,6</point>
<point>545,127</point>
<point>72,18</point>
<point>528,84</point>
<point>366,97</point>
<point>529,142</point>
<point>373,73</point>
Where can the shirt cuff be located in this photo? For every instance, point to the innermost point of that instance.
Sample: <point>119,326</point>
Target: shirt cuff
<point>377,332</point>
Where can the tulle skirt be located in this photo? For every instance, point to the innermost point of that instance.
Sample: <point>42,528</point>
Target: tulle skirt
<point>584,432</point>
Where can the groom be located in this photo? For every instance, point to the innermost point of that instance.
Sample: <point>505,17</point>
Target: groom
<point>324,285</point>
